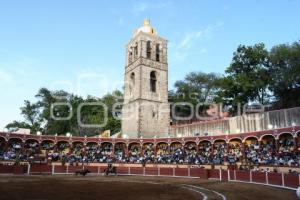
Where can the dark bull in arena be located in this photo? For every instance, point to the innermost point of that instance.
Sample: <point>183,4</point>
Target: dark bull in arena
<point>82,172</point>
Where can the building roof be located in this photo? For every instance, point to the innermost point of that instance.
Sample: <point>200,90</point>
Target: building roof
<point>146,28</point>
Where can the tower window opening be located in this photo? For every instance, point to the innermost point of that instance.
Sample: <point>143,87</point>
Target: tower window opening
<point>157,52</point>
<point>153,81</point>
<point>148,47</point>
<point>130,57</point>
<point>132,82</point>
<point>136,50</point>
<point>132,78</point>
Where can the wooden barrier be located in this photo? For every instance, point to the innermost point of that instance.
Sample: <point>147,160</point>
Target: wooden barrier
<point>241,175</point>
<point>199,172</point>
<point>60,169</point>
<point>166,171</point>
<point>181,171</point>
<point>136,171</point>
<point>259,177</point>
<point>151,171</point>
<point>290,181</point>
<point>275,178</point>
<point>6,169</point>
<point>72,169</point>
<point>123,170</point>
<point>214,173</point>
<point>40,169</point>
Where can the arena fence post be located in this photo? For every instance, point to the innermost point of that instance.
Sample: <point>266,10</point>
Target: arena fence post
<point>158,171</point>
<point>250,176</point>
<point>220,174</point>
<point>234,174</point>
<point>144,171</point>
<point>129,172</point>
<point>189,171</point>
<point>28,169</point>
<point>228,174</point>
<point>267,178</point>
<point>173,171</point>
<point>299,179</point>
<point>67,169</point>
<point>52,169</point>
<point>282,177</point>
<point>98,170</point>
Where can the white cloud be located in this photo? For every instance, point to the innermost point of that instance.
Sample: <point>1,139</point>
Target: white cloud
<point>183,47</point>
<point>188,39</point>
<point>191,37</point>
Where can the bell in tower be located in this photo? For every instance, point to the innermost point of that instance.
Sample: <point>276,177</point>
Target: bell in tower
<point>146,110</point>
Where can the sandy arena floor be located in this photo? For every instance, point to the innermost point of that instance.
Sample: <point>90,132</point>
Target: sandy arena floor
<point>133,188</point>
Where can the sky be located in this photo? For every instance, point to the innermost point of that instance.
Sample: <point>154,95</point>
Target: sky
<point>79,46</point>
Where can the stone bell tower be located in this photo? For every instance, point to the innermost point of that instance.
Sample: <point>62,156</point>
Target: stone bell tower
<point>146,111</point>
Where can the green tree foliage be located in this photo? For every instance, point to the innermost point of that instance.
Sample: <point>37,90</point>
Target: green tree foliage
<point>197,87</point>
<point>285,74</point>
<point>31,113</point>
<point>13,126</point>
<point>52,109</point>
<point>247,78</point>
<point>255,75</point>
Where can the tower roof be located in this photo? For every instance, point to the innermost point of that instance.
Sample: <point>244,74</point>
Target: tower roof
<point>146,28</point>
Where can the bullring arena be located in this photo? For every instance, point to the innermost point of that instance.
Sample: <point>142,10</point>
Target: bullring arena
<point>133,187</point>
<point>142,171</point>
<point>153,155</point>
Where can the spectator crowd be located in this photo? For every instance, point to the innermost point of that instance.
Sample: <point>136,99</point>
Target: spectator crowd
<point>251,152</point>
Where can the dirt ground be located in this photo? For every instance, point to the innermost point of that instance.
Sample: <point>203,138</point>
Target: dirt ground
<point>133,188</point>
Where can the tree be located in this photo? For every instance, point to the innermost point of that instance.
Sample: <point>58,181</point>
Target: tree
<point>58,112</point>
<point>47,100</point>
<point>13,126</point>
<point>285,73</point>
<point>246,79</point>
<point>197,87</point>
<point>31,113</point>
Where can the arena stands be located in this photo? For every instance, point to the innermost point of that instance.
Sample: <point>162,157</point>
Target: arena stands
<point>274,148</point>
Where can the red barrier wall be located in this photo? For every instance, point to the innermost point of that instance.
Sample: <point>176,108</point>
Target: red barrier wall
<point>40,169</point>
<point>231,174</point>
<point>136,170</point>
<point>214,173</point>
<point>224,174</point>
<point>151,171</point>
<point>242,175</point>
<point>291,180</point>
<point>199,172</point>
<point>286,180</point>
<point>259,177</point>
<point>166,171</point>
<point>73,169</point>
<point>60,169</point>
<point>181,172</point>
<point>6,169</point>
<point>275,178</point>
<point>93,169</point>
<point>122,170</point>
